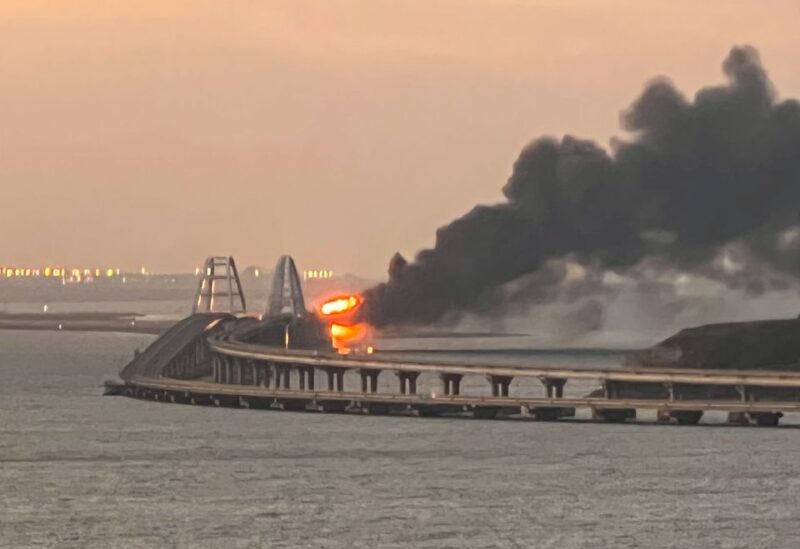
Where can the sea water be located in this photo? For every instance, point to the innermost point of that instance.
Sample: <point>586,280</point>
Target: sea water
<point>81,470</point>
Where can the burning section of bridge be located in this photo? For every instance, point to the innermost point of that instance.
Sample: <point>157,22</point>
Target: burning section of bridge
<point>342,305</point>
<point>346,333</point>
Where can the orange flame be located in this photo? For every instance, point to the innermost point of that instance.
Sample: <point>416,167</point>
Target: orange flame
<point>348,332</point>
<point>340,305</point>
<point>345,335</point>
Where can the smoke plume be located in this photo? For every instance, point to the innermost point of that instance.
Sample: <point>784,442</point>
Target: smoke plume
<point>709,186</point>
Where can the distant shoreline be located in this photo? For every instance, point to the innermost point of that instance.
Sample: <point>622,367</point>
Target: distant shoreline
<point>84,322</point>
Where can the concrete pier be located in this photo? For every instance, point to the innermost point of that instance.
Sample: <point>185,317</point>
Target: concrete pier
<point>408,382</point>
<point>499,384</point>
<point>451,383</point>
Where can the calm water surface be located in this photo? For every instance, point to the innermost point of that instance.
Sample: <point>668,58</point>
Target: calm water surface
<point>81,470</point>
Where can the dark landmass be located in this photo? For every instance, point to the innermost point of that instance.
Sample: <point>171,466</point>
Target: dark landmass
<point>755,345</point>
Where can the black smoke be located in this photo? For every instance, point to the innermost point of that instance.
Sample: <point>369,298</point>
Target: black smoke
<point>709,186</point>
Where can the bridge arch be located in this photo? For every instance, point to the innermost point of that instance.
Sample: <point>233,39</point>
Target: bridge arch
<point>219,289</point>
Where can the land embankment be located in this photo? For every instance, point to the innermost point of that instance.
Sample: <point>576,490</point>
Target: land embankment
<point>755,345</point>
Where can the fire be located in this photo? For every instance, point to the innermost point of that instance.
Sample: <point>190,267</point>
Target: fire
<point>345,334</point>
<point>348,332</point>
<point>340,305</point>
<point>346,338</point>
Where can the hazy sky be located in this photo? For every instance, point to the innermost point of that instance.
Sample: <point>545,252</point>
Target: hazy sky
<point>340,131</point>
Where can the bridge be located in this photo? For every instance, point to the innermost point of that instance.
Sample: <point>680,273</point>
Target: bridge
<point>268,361</point>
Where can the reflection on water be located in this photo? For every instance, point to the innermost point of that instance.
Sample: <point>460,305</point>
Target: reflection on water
<point>81,470</point>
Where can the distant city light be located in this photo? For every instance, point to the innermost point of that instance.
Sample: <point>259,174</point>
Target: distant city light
<point>84,274</point>
<point>74,274</point>
<point>317,274</point>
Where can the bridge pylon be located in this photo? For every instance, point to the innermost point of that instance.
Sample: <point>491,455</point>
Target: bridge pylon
<point>219,289</point>
<point>286,298</point>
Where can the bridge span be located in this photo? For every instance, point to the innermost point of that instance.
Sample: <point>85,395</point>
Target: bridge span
<point>274,361</point>
<point>202,361</point>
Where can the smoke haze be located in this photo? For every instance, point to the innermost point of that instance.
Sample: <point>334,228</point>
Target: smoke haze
<point>707,187</point>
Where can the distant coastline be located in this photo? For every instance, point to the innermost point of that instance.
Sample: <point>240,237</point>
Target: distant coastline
<point>84,321</point>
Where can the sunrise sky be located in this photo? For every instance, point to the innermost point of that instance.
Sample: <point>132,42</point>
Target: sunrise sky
<point>340,131</point>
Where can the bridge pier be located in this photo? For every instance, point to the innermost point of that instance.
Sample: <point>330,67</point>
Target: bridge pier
<point>226,370</point>
<point>239,371</point>
<point>244,371</point>
<point>335,376</point>
<point>216,367</point>
<point>675,391</point>
<point>283,376</point>
<point>554,386</point>
<point>499,385</point>
<point>613,415</point>
<point>451,383</point>
<point>611,390</point>
<point>334,406</point>
<point>255,373</point>
<point>682,417</point>
<point>408,382</point>
<point>200,351</point>
<point>369,380</point>
<point>767,419</point>
<point>263,374</point>
<point>305,376</point>
<point>236,371</point>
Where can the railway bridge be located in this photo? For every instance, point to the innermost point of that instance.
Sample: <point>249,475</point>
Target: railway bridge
<point>222,356</point>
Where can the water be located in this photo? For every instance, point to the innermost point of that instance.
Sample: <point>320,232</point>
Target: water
<point>81,470</point>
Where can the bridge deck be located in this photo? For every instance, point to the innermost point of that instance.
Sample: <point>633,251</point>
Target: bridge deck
<point>177,366</point>
<point>629,375</point>
<point>199,388</point>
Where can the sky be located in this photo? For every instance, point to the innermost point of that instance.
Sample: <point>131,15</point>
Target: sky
<point>156,133</point>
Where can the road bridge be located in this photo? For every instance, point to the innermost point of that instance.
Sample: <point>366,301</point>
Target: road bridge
<point>212,359</point>
<point>260,376</point>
